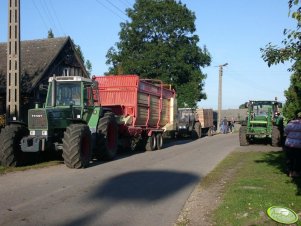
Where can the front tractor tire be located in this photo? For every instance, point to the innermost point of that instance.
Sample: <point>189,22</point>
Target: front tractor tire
<point>10,149</point>
<point>107,140</point>
<point>77,146</point>
<point>276,137</point>
<point>243,140</point>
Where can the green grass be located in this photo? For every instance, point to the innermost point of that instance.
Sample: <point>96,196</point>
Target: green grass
<point>258,181</point>
<point>4,170</point>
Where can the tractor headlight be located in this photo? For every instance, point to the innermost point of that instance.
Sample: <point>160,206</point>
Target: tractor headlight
<point>44,132</point>
<point>32,132</point>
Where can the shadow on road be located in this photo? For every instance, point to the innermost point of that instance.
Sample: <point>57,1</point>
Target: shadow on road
<point>278,160</point>
<point>127,153</point>
<point>142,186</point>
<point>134,187</point>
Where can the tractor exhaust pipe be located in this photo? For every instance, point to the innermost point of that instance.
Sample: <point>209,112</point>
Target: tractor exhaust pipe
<point>53,92</point>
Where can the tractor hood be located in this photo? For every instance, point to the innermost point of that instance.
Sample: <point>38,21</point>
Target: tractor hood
<point>44,119</point>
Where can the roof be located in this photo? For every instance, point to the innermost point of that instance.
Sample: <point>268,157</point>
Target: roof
<point>36,56</point>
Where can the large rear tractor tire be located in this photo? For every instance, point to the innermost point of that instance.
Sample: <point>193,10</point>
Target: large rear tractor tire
<point>77,146</point>
<point>243,140</point>
<point>276,137</point>
<point>151,143</point>
<point>10,149</point>
<point>107,140</point>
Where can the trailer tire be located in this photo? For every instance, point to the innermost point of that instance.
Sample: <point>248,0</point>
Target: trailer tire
<point>151,143</point>
<point>77,146</point>
<point>10,150</point>
<point>107,142</point>
<point>197,130</point>
<point>243,140</point>
<point>276,137</point>
<point>210,132</point>
<point>159,141</point>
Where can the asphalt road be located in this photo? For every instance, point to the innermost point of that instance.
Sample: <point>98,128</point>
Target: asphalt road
<point>148,188</point>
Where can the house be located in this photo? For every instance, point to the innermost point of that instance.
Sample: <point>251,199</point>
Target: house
<point>40,59</point>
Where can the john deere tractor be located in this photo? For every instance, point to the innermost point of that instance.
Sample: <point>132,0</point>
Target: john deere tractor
<point>70,122</point>
<point>263,121</point>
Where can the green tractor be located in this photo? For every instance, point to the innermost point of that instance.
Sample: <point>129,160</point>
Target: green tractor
<point>71,122</point>
<point>263,121</point>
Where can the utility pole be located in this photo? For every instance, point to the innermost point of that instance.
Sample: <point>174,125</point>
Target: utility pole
<point>220,80</point>
<point>13,62</point>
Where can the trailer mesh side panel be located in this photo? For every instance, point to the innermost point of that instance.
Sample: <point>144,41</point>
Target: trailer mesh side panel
<point>148,103</point>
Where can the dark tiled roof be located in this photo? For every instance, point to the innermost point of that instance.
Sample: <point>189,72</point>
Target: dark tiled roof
<point>36,56</point>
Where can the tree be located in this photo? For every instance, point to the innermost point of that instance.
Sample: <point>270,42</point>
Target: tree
<point>50,34</point>
<point>88,66</point>
<point>87,63</point>
<point>159,43</point>
<point>290,51</point>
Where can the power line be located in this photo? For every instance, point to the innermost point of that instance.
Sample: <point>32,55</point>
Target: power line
<point>125,3</point>
<point>56,17</point>
<point>103,5</point>
<point>116,7</point>
<point>35,5</point>
<point>47,12</point>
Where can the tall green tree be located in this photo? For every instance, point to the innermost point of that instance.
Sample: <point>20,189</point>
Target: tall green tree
<point>159,43</point>
<point>50,34</point>
<point>289,51</point>
<point>87,63</point>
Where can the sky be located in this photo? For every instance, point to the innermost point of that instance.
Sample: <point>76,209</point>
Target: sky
<point>233,32</point>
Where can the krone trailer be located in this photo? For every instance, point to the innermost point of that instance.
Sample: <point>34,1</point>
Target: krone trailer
<point>144,108</point>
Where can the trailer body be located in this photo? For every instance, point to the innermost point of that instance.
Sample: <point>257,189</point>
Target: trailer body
<point>205,117</point>
<point>146,108</point>
<point>194,122</point>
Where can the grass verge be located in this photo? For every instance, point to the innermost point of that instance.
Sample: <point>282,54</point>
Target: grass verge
<point>258,181</point>
<point>4,170</point>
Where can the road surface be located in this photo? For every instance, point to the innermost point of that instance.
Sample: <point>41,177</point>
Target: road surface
<point>148,188</point>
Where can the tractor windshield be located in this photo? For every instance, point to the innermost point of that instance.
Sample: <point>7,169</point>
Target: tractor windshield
<point>67,94</point>
<point>261,108</point>
<point>185,115</point>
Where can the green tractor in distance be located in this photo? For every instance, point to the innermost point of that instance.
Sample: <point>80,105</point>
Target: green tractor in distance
<point>263,121</point>
<point>71,122</point>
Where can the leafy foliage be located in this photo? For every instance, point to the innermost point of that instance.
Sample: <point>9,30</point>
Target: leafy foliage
<point>159,43</point>
<point>291,51</point>
<point>293,97</point>
<point>88,66</point>
<point>87,63</point>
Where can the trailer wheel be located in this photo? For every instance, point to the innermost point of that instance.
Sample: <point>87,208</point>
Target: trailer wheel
<point>107,143</point>
<point>276,137</point>
<point>10,149</point>
<point>210,132</point>
<point>243,140</point>
<point>159,140</point>
<point>197,133</point>
<point>151,143</point>
<point>77,146</point>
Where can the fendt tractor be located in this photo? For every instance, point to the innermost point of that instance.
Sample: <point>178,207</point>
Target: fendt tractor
<point>263,121</point>
<point>84,118</point>
<point>69,122</point>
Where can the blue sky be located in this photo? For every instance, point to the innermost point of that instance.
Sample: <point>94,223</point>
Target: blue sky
<point>233,31</point>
